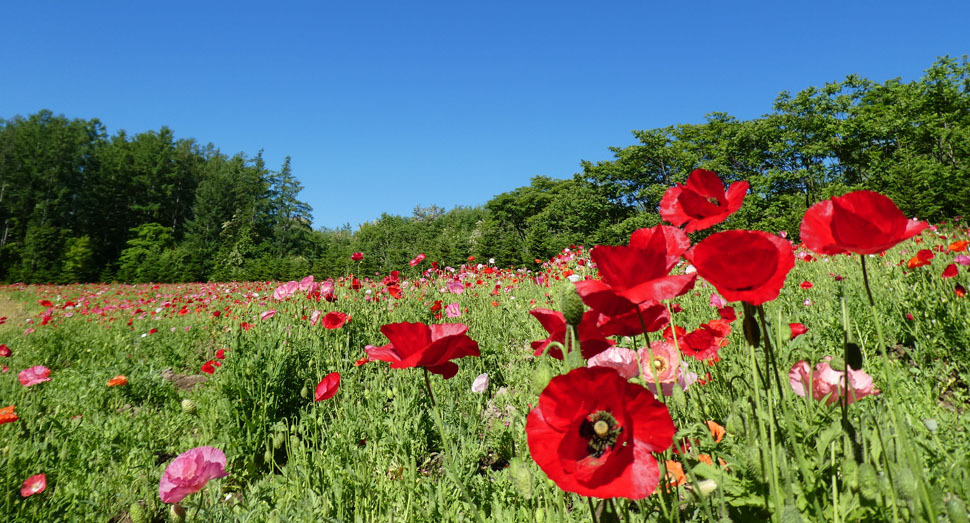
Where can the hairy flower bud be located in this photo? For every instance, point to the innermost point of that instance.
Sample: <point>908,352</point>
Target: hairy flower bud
<point>188,407</point>
<point>571,304</point>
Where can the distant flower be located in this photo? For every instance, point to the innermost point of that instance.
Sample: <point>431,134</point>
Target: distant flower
<point>221,354</point>
<point>7,415</point>
<point>417,259</point>
<point>118,380</point>
<point>335,320</point>
<point>34,375</point>
<point>453,310</point>
<point>717,431</point>
<point>33,485</point>
<point>950,271</point>
<point>826,382</point>
<point>797,329</point>
<point>480,383</point>
<point>190,472</point>
<point>267,314</point>
<point>456,287</point>
<point>327,387</point>
<point>5,351</point>
<point>960,291</point>
<point>315,317</point>
<point>717,301</point>
<point>806,285</point>
<point>357,256</point>
<point>962,259</point>
<point>208,367</point>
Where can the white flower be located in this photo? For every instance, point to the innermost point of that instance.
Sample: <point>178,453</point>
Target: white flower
<point>480,383</point>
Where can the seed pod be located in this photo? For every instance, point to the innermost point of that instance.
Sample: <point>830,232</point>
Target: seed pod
<point>956,510</point>
<point>790,514</point>
<point>905,484</point>
<point>177,513</point>
<point>522,477</point>
<point>188,407</point>
<point>853,355</point>
<point>868,481</point>
<point>571,304</point>
<point>752,332</point>
<point>137,514</point>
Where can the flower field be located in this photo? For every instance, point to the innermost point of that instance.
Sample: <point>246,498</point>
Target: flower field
<point>735,376</point>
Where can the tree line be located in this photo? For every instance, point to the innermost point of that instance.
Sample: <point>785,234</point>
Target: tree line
<point>79,205</point>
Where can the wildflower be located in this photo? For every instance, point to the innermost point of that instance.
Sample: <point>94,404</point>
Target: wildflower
<point>702,202</point>
<point>749,266</point>
<point>862,222</point>
<point>428,346</point>
<point>265,315</point>
<point>357,256</point>
<point>7,415</point>
<point>5,351</point>
<point>622,360</point>
<point>480,383</point>
<point>593,433</point>
<point>591,341</point>
<point>827,382</point>
<point>190,472</point>
<point>327,387</point>
<point>335,319</point>
<point>33,485</point>
<point>797,329</point>
<point>118,380</point>
<point>950,271</point>
<point>34,375</point>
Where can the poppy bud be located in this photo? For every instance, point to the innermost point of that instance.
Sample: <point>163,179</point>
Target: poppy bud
<point>305,392</point>
<point>177,513</point>
<point>522,477</point>
<point>188,407</point>
<point>678,399</point>
<point>571,304</point>
<point>850,471</point>
<point>752,332</point>
<point>905,484</point>
<point>137,514</point>
<point>956,510</point>
<point>868,481</point>
<point>837,363</point>
<point>541,377</point>
<point>268,456</point>
<point>734,424</point>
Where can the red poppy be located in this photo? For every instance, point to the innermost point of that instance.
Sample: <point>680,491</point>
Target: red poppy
<point>45,303</point>
<point>593,434</point>
<point>357,256</point>
<point>960,291</point>
<point>395,291</point>
<point>417,259</point>
<point>704,342</point>
<point>806,285</point>
<point>863,222</point>
<point>428,346</point>
<point>335,320</point>
<point>654,315</point>
<point>950,271</point>
<point>637,272</point>
<point>33,485</point>
<point>702,202</point>
<point>727,313</point>
<point>748,266</point>
<point>208,367</point>
<point>922,258</point>
<point>591,341</point>
<point>797,329</point>
<point>221,354</point>
<point>327,387</point>
<point>5,351</point>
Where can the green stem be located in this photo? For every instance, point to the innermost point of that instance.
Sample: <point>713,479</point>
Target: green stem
<point>865,280</point>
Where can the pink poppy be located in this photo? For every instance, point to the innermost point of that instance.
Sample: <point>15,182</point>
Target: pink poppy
<point>267,314</point>
<point>417,259</point>
<point>453,310</point>
<point>664,360</point>
<point>456,287</point>
<point>33,485</point>
<point>826,382</point>
<point>620,359</point>
<point>34,375</point>
<point>189,473</point>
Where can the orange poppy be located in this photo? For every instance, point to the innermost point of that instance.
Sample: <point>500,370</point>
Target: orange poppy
<point>7,415</point>
<point>118,380</point>
<point>717,431</point>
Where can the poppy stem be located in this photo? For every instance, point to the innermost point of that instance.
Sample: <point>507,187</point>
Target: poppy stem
<point>427,385</point>
<point>865,280</point>
<point>769,350</point>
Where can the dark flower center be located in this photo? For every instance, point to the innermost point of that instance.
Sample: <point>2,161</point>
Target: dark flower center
<point>601,430</point>
<point>714,201</point>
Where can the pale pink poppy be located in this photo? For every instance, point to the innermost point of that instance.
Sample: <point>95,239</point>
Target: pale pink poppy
<point>315,317</point>
<point>267,314</point>
<point>827,383</point>
<point>189,473</point>
<point>456,287</point>
<point>34,375</point>
<point>717,301</point>
<point>621,359</point>
<point>962,259</point>
<point>666,362</point>
<point>306,283</point>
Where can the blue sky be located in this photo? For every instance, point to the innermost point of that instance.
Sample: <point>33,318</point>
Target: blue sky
<point>387,105</point>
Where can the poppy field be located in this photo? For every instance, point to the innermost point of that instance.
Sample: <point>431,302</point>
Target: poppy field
<point>684,376</point>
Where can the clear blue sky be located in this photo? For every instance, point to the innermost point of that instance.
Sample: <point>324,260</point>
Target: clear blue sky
<point>385,106</point>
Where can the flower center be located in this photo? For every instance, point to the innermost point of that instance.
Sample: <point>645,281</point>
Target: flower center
<point>714,201</point>
<point>660,364</point>
<point>601,430</point>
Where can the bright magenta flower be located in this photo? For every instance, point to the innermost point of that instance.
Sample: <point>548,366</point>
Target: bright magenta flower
<point>189,473</point>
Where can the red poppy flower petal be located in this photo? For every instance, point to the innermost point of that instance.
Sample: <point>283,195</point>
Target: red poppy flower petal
<point>407,337</point>
<point>816,230</point>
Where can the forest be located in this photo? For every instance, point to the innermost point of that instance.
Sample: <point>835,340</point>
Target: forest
<point>78,205</point>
